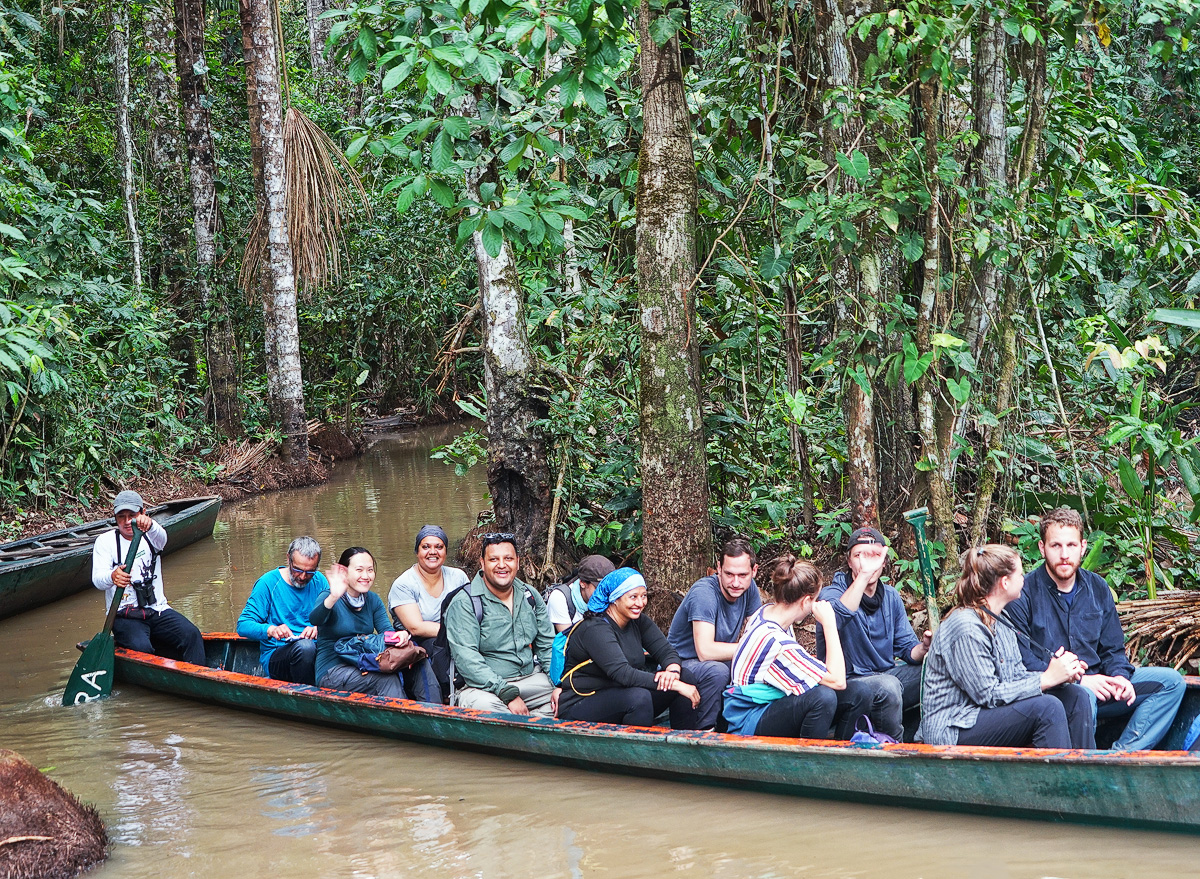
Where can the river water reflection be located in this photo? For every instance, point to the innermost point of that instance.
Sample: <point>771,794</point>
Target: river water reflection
<point>193,790</point>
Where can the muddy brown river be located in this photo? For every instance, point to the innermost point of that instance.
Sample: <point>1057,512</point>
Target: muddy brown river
<point>192,790</point>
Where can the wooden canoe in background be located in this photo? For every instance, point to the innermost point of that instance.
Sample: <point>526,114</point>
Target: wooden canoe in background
<point>45,568</point>
<point>1148,789</point>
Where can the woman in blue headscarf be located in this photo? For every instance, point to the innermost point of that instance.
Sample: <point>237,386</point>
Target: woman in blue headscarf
<point>620,667</point>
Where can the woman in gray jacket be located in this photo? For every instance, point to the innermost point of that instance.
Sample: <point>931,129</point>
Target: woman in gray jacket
<point>977,690</point>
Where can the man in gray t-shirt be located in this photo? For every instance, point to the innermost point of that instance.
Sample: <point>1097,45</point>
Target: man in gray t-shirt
<point>707,625</point>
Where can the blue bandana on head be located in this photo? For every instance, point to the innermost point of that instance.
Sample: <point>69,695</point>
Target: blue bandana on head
<point>613,586</point>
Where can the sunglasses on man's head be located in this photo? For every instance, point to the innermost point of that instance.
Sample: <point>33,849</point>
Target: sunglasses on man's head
<point>486,540</point>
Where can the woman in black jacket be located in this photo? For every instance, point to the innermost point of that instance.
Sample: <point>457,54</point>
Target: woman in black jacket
<point>619,666</point>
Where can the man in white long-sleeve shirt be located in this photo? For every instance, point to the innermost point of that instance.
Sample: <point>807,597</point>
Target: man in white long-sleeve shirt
<point>144,620</point>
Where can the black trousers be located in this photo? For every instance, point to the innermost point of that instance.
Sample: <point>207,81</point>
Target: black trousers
<point>167,633</point>
<point>295,662</point>
<point>1061,718</point>
<point>807,716</point>
<point>635,706</point>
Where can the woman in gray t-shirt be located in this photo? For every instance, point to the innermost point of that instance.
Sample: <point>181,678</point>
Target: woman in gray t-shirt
<point>416,595</point>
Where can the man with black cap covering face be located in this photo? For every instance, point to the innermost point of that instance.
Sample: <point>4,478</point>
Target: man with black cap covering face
<point>145,621</point>
<point>875,632</point>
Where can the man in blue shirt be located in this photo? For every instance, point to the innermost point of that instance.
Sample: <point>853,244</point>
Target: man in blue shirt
<point>1064,605</point>
<point>276,614</point>
<point>707,625</point>
<point>875,632</point>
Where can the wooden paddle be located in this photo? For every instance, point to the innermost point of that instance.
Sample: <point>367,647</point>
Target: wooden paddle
<point>92,676</point>
<point>916,518</point>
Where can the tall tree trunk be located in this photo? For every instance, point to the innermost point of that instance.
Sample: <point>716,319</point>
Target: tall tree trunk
<point>166,151</point>
<point>854,280</point>
<point>1020,181</point>
<point>120,50</point>
<point>220,344</point>
<point>676,530</point>
<point>318,34</point>
<point>265,102</point>
<point>989,97</point>
<point>518,449</point>
<point>935,444</point>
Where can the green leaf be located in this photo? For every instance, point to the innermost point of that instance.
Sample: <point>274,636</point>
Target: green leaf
<point>405,199</point>
<point>615,11</point>
<point>353,150</point>
<point>1130,481</point>
<point>441,154</point>
<point>477,6</point>
<point>856,165</point>
<point>1029,32</point>
<point>960,390</point>
<point>1188,474</point>
<point>396,75</point>
<point>511,150</point>
<point>368,43</point>
<point>1183,317</point>
<point>1011,26</point>
<point>862,380</point>
<point>568,92</point>
<point>358,68</point>
<point>595,97</point>
<point>457,127</point>
<point>890,218</point>
<point>914,366</point>
<point>488,67</point>
<point>568,30</point>
<point>439,80</point>
<point>442,193</point>
<point>493,240</point>
<point>662,29</point>
<point>12,232</point>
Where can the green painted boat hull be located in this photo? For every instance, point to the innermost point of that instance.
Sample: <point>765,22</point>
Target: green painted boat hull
<point>1155,789</point>
<point>33,582</point>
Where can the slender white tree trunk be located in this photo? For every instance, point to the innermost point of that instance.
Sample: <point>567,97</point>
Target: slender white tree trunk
<point>120,50</point>
<point>265,101</point>
<point>518,460</point>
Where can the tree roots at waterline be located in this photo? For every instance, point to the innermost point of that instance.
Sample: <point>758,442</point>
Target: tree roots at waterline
<point>45,832</point>
<point>1167,628</point>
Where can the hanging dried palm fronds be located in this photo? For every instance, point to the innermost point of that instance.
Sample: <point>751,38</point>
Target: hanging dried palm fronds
<point>1167,628</point>
<point>320,186</point>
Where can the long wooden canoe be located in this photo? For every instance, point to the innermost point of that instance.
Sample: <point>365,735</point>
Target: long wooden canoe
<point>45,568</point>
<point>1149,789</point>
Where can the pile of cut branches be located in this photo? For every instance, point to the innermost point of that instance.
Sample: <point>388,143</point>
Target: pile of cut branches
<point>1167,628</point>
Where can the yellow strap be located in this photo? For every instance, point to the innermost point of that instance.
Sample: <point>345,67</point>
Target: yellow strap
<point>571,672</point>
<point>567,644</point>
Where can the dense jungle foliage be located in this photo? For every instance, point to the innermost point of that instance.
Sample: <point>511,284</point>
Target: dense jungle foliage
<point>954,264</point>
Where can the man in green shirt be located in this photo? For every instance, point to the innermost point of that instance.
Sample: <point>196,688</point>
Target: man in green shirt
<point>497,628</point>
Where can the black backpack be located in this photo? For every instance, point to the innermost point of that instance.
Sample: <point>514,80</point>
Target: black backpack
<point>565,589</point>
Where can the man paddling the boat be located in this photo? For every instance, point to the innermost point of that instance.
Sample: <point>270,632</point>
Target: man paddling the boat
<point>144,621</point>
<point>1066,606</point>
<point>497,629</point>
<point>707,625</point>
<point>875,633</point>
<point>276,614</point>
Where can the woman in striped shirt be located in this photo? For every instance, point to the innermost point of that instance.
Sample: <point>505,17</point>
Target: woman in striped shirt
<point>779,689</point>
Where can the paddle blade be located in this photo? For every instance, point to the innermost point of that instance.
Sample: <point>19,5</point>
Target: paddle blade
<point>91,679</point>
